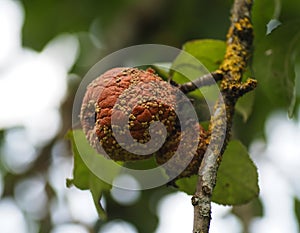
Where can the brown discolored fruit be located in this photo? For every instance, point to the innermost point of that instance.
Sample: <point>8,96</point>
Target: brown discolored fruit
<point>122,104</point>
<point>118,116</point>
<point>185,158</point>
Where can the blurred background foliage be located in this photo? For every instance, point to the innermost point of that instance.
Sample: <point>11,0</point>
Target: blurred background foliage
<point>102,27</point>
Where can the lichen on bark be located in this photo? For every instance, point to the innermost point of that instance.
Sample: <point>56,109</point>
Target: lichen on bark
<point>238,52</point>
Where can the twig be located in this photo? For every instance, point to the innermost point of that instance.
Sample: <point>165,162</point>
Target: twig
<point>205,80</point>
<point>239,42</point>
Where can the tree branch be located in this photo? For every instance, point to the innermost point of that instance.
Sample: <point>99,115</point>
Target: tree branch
<point>238,51</point>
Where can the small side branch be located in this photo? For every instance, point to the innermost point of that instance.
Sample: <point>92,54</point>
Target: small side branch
<point>205,80</point>
<point>238,51</point>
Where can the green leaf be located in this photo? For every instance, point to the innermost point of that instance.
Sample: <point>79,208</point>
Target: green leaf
<point>208,51</point>
<point>237,179</point>
<point>274,64</point>
<point>297,210</point>
<point>97,187</point>
<point>296,100</point>
<point>86,160</point>
<point>188,185</point>
<point>81,173</point>
<point>198,57</point>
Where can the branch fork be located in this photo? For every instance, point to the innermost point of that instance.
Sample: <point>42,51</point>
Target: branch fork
<point>230,72</point>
